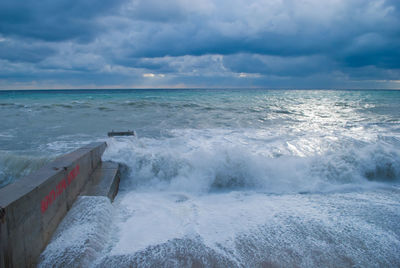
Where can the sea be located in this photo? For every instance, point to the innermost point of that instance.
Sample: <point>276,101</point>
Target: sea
<point>220,177</point>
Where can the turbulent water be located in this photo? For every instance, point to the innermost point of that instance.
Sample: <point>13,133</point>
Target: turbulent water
<point>220,178</point>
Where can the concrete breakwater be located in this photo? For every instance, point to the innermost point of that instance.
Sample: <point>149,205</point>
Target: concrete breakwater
<point>32,207</point>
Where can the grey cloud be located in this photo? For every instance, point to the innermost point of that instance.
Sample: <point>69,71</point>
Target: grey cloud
<point>160,65</point>
<point>202,42</point>
<point>337,37</point>
<point>372,49</point>
<point>167,11</point>
<point>54,20</point>
<point>20,51</point>
<point>279,66</point>
<point>160,11</point>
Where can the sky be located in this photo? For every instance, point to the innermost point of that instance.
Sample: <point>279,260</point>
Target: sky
<point>52,44</point>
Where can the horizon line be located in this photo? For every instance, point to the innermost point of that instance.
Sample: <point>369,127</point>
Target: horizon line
<point>188,88</point>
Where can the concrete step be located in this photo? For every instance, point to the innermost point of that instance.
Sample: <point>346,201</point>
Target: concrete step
<point>104,181</point>
<point>33,206</point>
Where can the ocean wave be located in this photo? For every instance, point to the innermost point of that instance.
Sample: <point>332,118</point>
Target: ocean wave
<point>62,105</point>
<point>106,109</point>
<point>46,106</point>
<point>13,166</point>
<point>172,104</point>
<point>7,105</point>
<point>146,103</point>
<point>222,165</point>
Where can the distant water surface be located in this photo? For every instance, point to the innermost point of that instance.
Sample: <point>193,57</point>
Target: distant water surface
<point>246,178</point>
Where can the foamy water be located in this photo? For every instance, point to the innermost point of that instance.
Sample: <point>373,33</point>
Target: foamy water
<point>226,178</point>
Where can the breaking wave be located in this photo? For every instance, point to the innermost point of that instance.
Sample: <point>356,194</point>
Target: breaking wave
<point>178,164</point>
<point>13,166</point>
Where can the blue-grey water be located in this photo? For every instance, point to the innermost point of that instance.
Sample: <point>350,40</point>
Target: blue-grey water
<point>246,178</point>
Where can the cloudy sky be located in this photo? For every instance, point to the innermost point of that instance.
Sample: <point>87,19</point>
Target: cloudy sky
<point>199,43</point>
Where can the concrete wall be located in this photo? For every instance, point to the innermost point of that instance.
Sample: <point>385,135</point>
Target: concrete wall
<point>32,207</point>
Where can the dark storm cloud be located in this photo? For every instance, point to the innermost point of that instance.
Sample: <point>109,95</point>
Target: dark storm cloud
<point>53,20</point>
<point>198,40</point>
<point>277,43</point>
<point>360,33</point>
<point>373,49</point>
<point>153,10</point>
<point>18,51</point>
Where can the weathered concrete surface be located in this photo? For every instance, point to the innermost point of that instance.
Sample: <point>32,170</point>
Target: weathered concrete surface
<point>35,205</point>
<point>104,181</point>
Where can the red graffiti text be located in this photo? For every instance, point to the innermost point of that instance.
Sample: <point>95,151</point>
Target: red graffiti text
<point>61,186</point>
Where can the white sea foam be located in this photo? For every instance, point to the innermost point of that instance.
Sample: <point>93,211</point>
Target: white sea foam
<point>81,236</point>
<point>254,229</point>
<point>207,161</point>
<point>236,229</point>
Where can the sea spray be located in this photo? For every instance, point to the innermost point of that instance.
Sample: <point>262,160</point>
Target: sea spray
<point>82,234</point>
<point>214,164</point>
